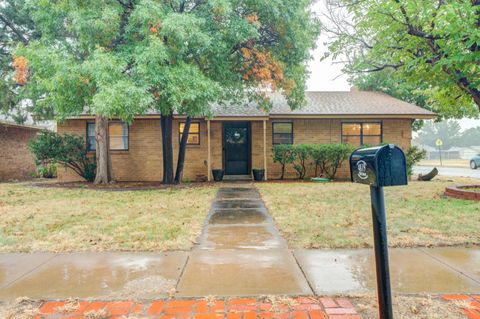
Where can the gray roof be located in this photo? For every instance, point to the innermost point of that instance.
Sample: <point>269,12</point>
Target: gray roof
<point>352,103</point>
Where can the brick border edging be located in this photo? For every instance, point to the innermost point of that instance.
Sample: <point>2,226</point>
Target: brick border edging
<point>305,307</point>
<point>462,192</point>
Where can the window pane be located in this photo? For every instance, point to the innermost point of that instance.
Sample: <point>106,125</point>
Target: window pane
<point>115,129</point>
<point>91,146</point>
<point>352,140</point>
<point>118,133</point>
<point>117,143</point>
<point>282,128</point>
<point>372,140</point>
<point>193,139</point>
<point>194,127</point>
<point>351,129</point>
<point>91,129</point>
<point>372,129</point>
<point>193,133</point>
<point>282,139</point>
<point>91,137</point>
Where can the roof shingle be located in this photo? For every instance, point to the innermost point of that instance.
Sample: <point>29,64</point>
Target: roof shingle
<point>330,103</point>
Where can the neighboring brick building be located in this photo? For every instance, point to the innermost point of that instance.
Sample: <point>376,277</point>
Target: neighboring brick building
<point>16,161</point>
<point>239,138</point>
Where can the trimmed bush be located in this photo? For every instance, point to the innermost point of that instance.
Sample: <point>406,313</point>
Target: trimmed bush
<point>335,155</point>
<point>326,157</point>
<point>283,154</point>
<point>302,155</point>
<point>70,150</point>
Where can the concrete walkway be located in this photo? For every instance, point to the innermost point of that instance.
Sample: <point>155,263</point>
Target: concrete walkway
<point>240,253</point>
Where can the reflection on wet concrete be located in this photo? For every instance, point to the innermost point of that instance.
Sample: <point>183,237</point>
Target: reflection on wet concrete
<point>466,260</point>
<point>241,252</point>
<point>412,271</point>
<point>242,237</point>
<point>238,216</point>
<point>240,203</point>
<point>101,275</point>
<point>15,265</point>
<point>242,272</point>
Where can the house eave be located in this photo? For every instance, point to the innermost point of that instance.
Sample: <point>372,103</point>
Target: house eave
<point>283,116</point>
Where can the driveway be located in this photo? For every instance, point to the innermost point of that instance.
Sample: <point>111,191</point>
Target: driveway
<point>449,171</point>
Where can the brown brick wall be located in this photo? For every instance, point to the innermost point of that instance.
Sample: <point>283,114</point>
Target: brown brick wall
<point>143,160</point>
<point>16,161</point>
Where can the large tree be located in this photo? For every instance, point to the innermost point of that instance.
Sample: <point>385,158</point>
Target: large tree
<point>118,58</point>
<point>432,46</point>
<point>194,53</point>
<point>448,131</point>
<point>80,64</point>
<point>16,26</point>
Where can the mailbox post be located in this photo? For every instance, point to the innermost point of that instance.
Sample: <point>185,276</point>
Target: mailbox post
<point>379,167</point>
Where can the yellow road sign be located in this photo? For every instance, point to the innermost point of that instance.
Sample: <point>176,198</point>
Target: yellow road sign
<point>439,142</point>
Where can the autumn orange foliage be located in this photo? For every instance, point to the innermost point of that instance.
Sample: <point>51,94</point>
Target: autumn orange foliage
<point>20,65</point>
<point>252,18</point>
<point>260,67</point>
<point>155,26</point>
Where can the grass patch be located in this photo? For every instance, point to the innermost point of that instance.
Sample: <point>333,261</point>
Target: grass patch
<point>338,215</point>
<point>409,306</point>
<point>63,220</point>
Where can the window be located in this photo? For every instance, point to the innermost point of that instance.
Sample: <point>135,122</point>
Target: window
<point>193,133</point>
<point>117,132</point>
<point>91,137</point>
<point>282,133</point>
<point>358,134</point>
<point>118,136</point>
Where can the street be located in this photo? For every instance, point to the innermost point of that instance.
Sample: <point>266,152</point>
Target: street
<point>448,171</point>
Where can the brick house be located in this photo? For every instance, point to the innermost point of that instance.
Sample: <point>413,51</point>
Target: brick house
<point>16,161</point>
<point>239,138</point>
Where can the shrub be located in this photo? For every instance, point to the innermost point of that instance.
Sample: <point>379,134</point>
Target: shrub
<point>414,154</point>
<point>335,155</point>
<point>70,150</point>
<point>302,154</point>
<point>48,170</point>
<point>318,155</point>
<point>283,154</point>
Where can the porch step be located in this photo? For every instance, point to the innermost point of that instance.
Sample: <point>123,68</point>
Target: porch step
<point>237,178</point>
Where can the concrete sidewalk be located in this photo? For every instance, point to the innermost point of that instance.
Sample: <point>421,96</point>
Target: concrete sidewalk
<point>110,276</point>
<point>240,253</point>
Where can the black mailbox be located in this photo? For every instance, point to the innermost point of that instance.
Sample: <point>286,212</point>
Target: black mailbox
<point>379,166</point>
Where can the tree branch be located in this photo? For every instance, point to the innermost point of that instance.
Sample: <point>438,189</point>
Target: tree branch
<point>12,27</point>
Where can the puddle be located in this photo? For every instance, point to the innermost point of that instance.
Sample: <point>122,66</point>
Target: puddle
<point>241,237</point>
<point>238,216</point>
<point>233,204</point>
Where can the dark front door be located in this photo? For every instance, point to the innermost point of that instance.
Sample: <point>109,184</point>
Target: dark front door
<point>237,148</point>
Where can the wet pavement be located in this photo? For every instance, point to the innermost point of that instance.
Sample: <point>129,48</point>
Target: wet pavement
<point>412,270</point>
<point>90,275</point>
<point>449,171</point>
<point>240,253</point>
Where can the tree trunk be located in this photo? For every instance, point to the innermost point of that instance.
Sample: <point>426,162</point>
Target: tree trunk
<point>181,152</point>
<point>167,147</point>
<point>104,168</point>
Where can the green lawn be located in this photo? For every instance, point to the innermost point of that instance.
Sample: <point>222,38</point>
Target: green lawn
<point>338,215</point>
<point>52,219</point>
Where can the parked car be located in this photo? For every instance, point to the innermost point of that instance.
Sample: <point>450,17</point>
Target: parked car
<point>475,162</point>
